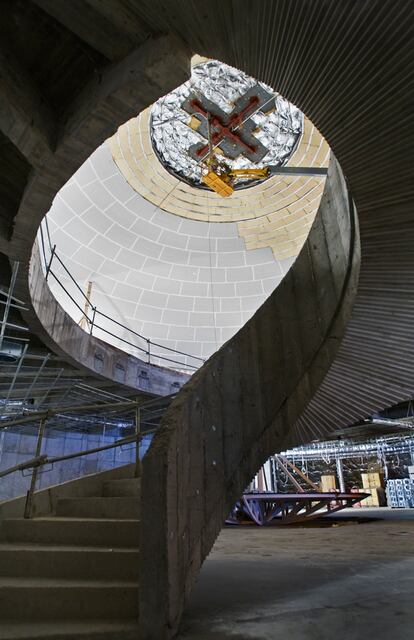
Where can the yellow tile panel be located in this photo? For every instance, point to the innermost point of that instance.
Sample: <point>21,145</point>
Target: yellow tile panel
<point>276,213</point>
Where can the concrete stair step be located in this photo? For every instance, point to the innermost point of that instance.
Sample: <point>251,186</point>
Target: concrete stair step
<point>43,599</point>
<point>123,487</point>
<point>69,630</point>
<point>93,563</point>
<point>70,531</point>
<point>125,508</point>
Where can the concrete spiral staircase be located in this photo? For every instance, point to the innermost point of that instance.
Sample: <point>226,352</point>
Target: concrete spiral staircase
<point>73,573</point>
<point>333,344</point>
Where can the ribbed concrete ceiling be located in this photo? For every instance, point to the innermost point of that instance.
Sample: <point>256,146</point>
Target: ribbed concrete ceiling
<point>177,264</point>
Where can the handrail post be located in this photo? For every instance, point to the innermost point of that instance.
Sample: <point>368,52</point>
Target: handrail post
<point>86,323</point>
<point>93,320</point>
<point>138,441</point>
<point>50,261</point>
<point>30,494</point>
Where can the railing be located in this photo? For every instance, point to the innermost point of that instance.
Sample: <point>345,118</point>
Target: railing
<point>142,418</point>
<point>145,345</point>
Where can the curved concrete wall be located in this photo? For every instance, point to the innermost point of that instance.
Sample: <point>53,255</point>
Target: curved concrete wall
<point>94,114</point>
<point>59,332</point>
<point>223,426</point>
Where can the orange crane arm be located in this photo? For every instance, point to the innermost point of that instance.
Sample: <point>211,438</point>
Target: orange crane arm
<point>249,173</point>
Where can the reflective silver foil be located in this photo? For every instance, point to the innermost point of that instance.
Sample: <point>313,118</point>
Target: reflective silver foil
<point>171,135</point>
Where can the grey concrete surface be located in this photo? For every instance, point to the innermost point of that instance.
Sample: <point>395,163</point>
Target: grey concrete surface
<point>46,500</point>
<point>228,423</point>
<point>353,581</point>
<point>68,630</point>
<point>114,507</point>
<point>68,573</point>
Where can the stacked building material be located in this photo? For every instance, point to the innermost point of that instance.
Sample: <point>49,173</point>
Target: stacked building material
<point>373,483</point>
<point>400,493</point>
<point>328,483</point>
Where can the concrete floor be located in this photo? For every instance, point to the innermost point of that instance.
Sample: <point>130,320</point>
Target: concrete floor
<point>351,581</point>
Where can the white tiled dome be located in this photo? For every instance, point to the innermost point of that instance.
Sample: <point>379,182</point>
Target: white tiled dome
<point>174,263</point>
<point>188,284</point>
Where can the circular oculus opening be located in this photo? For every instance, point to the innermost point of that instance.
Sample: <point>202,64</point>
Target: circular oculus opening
<point>246,123</point>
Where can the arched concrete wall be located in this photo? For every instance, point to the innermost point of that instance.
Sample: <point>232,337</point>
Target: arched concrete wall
<point>106,102</point>
<point>59,332</point>
<point>238,409</point>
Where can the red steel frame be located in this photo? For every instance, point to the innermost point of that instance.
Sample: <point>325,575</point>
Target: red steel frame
<point>264,507</point>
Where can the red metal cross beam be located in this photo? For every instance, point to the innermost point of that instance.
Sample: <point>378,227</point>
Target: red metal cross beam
<point>221,130</point>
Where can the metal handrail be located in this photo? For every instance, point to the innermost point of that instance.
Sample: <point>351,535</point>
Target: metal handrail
<point>96,312</point>
<point>40,460</point>
<point>49,413</point>
<point>32,462</point>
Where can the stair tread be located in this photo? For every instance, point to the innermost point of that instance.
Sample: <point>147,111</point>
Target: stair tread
<point>96,498</point>
<point>24,546</point>
<point>123,480</point>
<point>70,519</point>
<point>125,487</point>
<point>99,498</point>
<point>117,507</point>
<point>69,531</point>
<point>41,582</point>
<point>12,630</point>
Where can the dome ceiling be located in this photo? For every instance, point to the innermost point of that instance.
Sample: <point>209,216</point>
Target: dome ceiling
<point>253,114</point>
<point>174,262</point>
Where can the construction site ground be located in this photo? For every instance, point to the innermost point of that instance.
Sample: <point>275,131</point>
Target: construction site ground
<point>353,580</point>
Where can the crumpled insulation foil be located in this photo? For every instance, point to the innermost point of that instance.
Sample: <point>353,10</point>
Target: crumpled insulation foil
<point>171,135</point>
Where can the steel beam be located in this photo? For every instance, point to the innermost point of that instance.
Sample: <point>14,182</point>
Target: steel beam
<point>298,171</point>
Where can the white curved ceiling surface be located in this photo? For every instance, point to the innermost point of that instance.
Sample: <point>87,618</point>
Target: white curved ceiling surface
<point>168,261</point>
<point>187,284</point>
